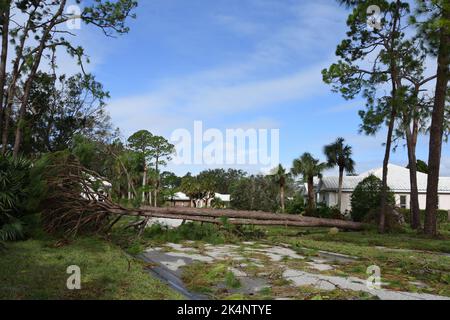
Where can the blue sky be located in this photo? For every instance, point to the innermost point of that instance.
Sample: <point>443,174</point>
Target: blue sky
<point>235,63</point>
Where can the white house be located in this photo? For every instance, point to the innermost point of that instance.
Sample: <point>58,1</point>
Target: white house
<point>182,200</point>
<point>398,182</point>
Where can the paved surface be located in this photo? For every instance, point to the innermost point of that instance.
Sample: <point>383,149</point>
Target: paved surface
<point>169,261</point>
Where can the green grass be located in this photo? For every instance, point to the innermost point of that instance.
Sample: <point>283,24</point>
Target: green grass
<point>407,239</point>
<point>36,269</point>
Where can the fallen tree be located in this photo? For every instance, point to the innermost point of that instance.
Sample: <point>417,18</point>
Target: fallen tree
<point>74,202</point>
<point>249,217</point>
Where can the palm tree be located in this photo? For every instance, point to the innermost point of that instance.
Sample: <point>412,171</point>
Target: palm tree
<point>308,167</point>
<point>279,174</point>
<point>340,155</point>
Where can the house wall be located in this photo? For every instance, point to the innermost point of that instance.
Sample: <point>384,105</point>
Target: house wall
<point>331,200</point>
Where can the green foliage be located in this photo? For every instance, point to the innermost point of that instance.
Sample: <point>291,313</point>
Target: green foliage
<point>366,197</point>
<point>323,211</point>
<point>308,167</point>
<point>339,154</point>
<point>442,215</point>
<point>14,196</point>
<point>14,180</point>
<point>141,142</point>
<point>255,193</point>
<point>295,205</point>
<point>12,231</point>
<point>217,203</point>
<point>63,108</point>
<point>422,166</point>
<point>188,231</point>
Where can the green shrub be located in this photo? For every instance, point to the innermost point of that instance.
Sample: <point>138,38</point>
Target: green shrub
<point>367,197</point>
<point>188,231</point>
<point>295,205</point>
<point>323,211</point>
<point>442,215</point>
<point>14,195</point>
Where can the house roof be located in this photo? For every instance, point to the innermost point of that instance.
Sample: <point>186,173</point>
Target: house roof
<point>398,180</point>
<point>223,197</point>
<point>180,196</point>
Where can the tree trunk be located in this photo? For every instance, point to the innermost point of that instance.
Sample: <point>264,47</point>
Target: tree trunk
<point>144,182</point>
<point>4,59</point>
<point>240,217</point>
<point>436,129</point>
<point>341,182</point>
<point>411,140</point>
<point>384,188</point>
<point>283,207</point>
<point>15,74</point>
<point>396,83</point>
<point>311,194</point>
<point>156,182</point>
<point>129,190</point>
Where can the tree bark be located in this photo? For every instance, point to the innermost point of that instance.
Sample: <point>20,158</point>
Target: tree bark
<point>384,188</point>
<point>144,182</point>
<point>241,217</point>
<point>436,129</point>
<point>283,207</point>
<point>15,74</point>
<point>395,85</point>
<point>411,141</point>
<point>341,182</point>
<point>156,182</point>
<point>4,59</point>
<point>311,194</point>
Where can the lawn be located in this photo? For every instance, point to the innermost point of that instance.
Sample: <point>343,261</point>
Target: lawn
<point>36,269</point>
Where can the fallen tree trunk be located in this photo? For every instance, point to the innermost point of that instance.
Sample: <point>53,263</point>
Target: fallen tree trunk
<point>74,203</point>
<point>244,217</point>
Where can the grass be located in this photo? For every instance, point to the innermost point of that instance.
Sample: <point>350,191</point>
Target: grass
<point>36,270</point>
<point>204,278</point>
<point>408,239</point>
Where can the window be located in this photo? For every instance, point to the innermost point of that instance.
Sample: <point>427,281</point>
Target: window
<point>403,202</point>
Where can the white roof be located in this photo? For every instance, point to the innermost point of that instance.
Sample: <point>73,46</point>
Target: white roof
<point>223,197</point>
<point>180,196</point>
<point>398,180</point>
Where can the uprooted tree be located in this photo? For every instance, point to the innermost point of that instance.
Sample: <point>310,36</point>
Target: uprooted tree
<point>74,201</point>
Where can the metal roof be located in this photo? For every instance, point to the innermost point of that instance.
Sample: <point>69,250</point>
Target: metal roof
<point>398,180</point>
